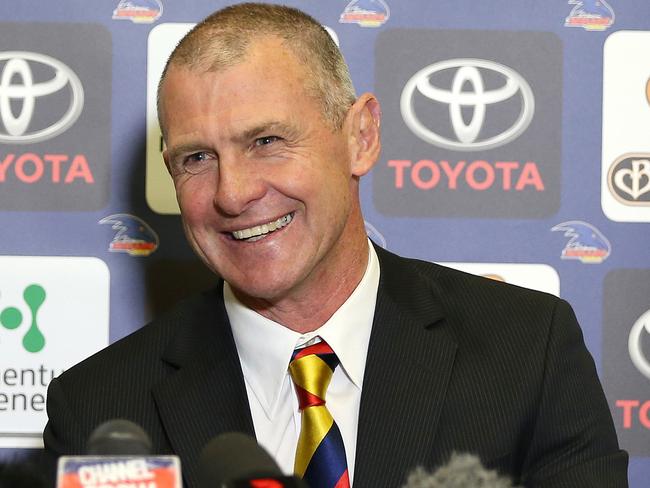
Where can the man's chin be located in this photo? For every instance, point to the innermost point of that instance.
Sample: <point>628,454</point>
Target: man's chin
<point>258,297</point>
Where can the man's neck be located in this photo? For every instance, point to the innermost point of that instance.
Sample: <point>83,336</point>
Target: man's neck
<point>308,309</point>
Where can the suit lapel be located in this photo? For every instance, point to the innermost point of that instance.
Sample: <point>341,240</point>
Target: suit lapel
<point>409,363</point>
<point>205,395</point>
<point>410,359</point>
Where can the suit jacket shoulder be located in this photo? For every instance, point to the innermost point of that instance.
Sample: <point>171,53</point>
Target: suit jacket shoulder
<point>475,365</point>
<point>178,377</point>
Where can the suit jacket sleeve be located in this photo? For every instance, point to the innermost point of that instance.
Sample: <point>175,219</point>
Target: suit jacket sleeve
<point>574,443</point>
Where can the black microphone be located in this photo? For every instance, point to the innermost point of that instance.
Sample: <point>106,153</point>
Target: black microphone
<point>462,471</point>
<point>119,455</point>
<point>235,460</point>
<point>118,437</point>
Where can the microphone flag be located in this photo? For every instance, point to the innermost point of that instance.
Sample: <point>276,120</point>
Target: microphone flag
<point>119,472</point>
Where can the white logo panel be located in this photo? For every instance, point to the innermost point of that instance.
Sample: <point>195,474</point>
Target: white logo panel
<point>54,312</point>
<point>159,188</point>
<point>540,277</point>
<point>625,167</point>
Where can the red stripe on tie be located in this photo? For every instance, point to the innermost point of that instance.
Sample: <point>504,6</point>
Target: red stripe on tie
<point>320,348</point>
<point>344,481</point>
<point>306,399</point>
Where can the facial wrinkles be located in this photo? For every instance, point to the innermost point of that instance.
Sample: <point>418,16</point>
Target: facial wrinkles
<point>297,148</point>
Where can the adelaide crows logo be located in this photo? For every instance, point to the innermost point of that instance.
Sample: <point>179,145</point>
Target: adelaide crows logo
<point>138,11</point>
<point>586,243</point>
<point>133,235</point>
<point>591,15</point>
<point>366,13</point>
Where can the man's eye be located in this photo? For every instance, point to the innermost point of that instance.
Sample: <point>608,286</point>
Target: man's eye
<point>266,140</point>
<point>198,162</point>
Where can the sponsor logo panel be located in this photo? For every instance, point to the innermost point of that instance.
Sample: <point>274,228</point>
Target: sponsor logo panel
<point>541,277</point>
<point>625,168</point>
<point>472,128</point>
<point>159,188</point>
<point>44,302</point>
<point>626,356</point>
<point>54,117</point>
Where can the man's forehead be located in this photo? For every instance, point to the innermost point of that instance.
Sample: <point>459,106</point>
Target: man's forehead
<point>265,72</point>
<point>267,69</point>
<point>261,50</point>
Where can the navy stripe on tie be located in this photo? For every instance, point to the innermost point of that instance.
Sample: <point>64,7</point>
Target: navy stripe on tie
<point>329,455</point>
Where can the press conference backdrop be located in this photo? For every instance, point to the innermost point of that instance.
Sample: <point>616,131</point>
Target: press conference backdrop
<point>516,146</point>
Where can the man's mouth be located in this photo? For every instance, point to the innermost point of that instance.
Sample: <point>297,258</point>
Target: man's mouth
<point>259,231</point>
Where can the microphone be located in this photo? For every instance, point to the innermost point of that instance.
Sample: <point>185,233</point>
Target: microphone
<point>235,460</point>
<point>118,437</point>
<point>462,471</point>
<point>119,456</point>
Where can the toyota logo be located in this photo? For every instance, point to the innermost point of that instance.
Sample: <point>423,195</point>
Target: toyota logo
<point>17,84</point>
<point>468,72</point>
<point>634,344</point>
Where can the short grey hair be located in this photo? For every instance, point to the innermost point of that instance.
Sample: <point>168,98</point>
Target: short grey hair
<point>222,39</point>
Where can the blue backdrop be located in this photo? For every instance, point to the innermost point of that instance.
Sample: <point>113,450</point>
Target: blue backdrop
<point>516,145</point>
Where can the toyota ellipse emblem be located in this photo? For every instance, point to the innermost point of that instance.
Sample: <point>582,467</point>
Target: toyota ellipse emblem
<point>17,85</point>
<point>640,328</point>
<point>479,99</point>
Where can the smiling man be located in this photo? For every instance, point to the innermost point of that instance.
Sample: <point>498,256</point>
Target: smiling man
<point>349,364</point>
<point>267,185</point>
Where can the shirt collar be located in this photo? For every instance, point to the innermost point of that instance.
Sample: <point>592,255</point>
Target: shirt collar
<point>265,346</point>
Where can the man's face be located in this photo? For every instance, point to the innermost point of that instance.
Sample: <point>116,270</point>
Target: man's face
<point>249,152</point>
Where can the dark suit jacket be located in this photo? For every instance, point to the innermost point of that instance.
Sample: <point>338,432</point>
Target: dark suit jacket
<point>455,363</point>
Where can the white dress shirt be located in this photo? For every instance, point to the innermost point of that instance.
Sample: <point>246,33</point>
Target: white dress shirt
<point>265,349</point>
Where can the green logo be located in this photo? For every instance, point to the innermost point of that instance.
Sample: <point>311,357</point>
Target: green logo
<point>11,318</point>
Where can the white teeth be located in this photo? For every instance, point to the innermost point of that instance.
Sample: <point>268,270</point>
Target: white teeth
<point>256,233</point>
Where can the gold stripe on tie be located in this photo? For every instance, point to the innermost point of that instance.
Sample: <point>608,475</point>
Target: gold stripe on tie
<point>312,374</point>
<point>316,423</point>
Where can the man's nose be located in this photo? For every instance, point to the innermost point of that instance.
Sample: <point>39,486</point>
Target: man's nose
<point>239,185</point>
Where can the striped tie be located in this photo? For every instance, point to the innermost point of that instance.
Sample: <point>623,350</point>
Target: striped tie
<point>320,456</point>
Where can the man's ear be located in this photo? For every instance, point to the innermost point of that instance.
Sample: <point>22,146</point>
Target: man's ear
<point>364,119</point>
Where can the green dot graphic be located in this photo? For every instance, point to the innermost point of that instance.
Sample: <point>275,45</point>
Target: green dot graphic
<point>10,318</point>
<point>34,339</point>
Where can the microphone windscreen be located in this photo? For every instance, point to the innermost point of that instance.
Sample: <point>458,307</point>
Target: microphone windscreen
<point>234,456</point>
<point>119,437</point>
<point>462,471</point>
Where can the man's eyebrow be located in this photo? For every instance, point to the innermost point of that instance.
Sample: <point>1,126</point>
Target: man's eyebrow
<point>272,127</point>
<point>185,148</point>
<point>266,128</point>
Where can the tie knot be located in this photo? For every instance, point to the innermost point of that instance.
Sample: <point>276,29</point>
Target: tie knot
<point>311,369</point>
